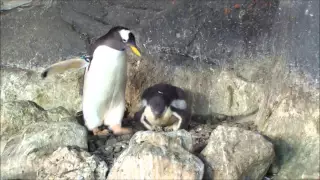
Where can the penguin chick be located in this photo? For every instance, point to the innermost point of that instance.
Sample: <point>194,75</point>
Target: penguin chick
<point>164,106</point>
<point>104,80</point>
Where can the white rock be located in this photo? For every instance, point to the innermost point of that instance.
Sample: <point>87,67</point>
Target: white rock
<point>16,115</point>
<point>68,163</point>
<point>158,155</point>
<point>21,156</point>
<point>234,153</point>
<point>10,4</point>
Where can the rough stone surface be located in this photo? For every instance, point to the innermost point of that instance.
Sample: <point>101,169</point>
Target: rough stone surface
<point>289,115</point>
<point>211,92</point>
<point>22,153</point>
<point>31,40</point>
<point>293,125</point>
<point>109,149</point>
<point>16,115</point>
<point>234,61</point>
<point>234,153</point>
<point>11,4</point>
<point>204,32</point>
<point>36,37</point>
<point>68,163</point>
<point>54,91</point>
<point>158,156</point>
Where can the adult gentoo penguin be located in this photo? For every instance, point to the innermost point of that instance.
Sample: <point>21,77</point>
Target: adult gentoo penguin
<point>164,107</point>
<point>104,81</point>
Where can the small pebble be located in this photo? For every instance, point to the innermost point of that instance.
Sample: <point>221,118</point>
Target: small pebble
<point>111,142</point>
<point>198,129</point>
<point>109,149</point>
<point>117,149</point>
<point>124,146</point>
<point>100,142</point>
<point>91,146</point>
<point>221,117</point>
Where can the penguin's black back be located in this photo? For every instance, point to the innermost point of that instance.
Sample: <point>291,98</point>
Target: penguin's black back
<point>166,91</point>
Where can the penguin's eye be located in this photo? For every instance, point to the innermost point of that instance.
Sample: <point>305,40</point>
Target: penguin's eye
<point>123,40</point>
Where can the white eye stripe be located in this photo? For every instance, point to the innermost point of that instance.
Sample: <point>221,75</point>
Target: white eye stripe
<point>179,104</point>
<point>124,34</point>
<point>143,103</point>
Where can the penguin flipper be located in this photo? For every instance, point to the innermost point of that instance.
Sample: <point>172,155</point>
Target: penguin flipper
<point>138,114</point>
<point>183,119</point>
<point>59,67</point>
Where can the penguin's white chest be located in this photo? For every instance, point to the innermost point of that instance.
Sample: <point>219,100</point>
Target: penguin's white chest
<point>105,81</point>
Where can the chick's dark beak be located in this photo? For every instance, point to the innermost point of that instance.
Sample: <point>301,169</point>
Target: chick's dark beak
<point>157,113</point>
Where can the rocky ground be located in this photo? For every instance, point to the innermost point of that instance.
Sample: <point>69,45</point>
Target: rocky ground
<point>56,145</point>
<point>111,146</point>
<point>250,69</point>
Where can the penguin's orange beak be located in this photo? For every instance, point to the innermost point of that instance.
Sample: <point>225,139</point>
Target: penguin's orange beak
<point>135,50</point>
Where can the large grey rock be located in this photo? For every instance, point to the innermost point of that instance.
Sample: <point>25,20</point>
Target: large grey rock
<point>31,42</point>
<point>16,115</point>
<point>35,38</point>
<point>151,5</point>
<point>22,153</point>
<point>202,32</point>
<point>11,4</point>
<point>158,156</point>
<point>54,91</point>
<point>70,163</point>
<point>291,120</point>
<point>82,23</point>
<point>234,153</point>
<point>101,15</point>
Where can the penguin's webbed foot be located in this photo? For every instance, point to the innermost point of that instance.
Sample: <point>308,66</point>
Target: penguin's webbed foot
<point>97,132</point>
<point>168,128</point>
<point>158,129</point>
<point>118,130</point>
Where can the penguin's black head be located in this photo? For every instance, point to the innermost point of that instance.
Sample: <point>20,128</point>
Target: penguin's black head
<point>119,38</point>
<point>157,105</point>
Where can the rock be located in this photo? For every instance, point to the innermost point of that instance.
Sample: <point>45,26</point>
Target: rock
<point>81,25</point>
<point>11,4</point>
<point>128,16</point>
<point>200,135</point>
<point>112,13</point>
<point>152,5</point>
<point>30,42</point>
<point>158,155</point>
<point>66,163</point>
<point>203,32</point>
<point>117,149</point>
<point>111,149</point>
<point>22,153</point>
<point>234,153</point>
<point>111,141</point>
<point>34,39</point>
<point>54,91</point>
<point>291,120</point>
<point>16,115</point>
